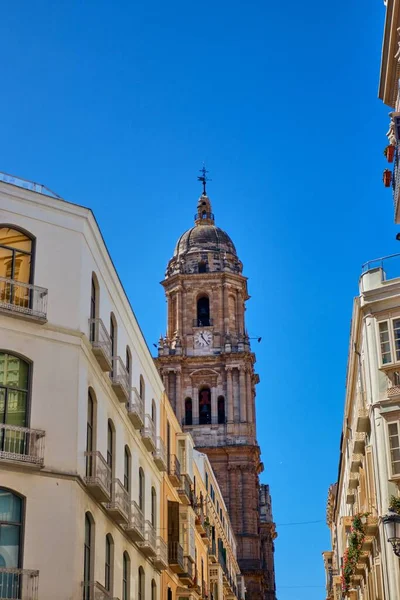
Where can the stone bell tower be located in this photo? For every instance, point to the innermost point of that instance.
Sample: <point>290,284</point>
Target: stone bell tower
<point>207,366</point>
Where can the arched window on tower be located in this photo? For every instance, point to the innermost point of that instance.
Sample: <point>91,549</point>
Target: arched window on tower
<point>202,266</point>
<point>188,412</point>
<point>203,311</point>
<point>221,410</point>
<point>204,406</point>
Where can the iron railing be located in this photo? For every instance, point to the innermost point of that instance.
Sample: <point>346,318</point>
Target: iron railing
<point>23,298</point>
<point>174,467</point>
<point>21,444</point>
<point>98,472</point>
<point>150,537</point>
<point>136,409</point>
<point>185,488</point>
<point>162,552</point>
<point>160,455</point>
<point>119,375</point>
<point>93,590</point>
<point>149,432</point>
<point>19,584</point>
<point>175,554</point>
<point>204,322</point>
<point>100,338</point>
<point>206,419</point>
<point>28,185</point>
<point>119,498</point>
<point>136,520</point>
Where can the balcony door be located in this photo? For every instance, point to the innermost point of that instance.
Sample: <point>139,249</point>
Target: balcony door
<point>16,253</point>
<point>14,384</point>
<point>10,543</point>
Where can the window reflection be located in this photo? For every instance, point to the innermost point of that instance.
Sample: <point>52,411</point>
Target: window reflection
<point>15,265</point>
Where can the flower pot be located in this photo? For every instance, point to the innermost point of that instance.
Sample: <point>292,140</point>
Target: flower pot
<point>389,153</point>
<point>387,177</point>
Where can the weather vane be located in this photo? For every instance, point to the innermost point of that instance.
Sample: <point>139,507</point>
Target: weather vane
<point>203,178</point>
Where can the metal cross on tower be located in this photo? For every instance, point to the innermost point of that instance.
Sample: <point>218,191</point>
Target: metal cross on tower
<point>203,178</point>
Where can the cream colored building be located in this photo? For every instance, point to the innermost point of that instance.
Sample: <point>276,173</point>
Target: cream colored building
<point>369,461</point>
<point>101,493</point>
<point>80,483</point>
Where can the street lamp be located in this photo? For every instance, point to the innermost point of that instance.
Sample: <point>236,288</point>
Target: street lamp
<point>391,523</point>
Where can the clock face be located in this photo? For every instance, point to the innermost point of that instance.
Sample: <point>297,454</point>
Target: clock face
<point>203,339</point>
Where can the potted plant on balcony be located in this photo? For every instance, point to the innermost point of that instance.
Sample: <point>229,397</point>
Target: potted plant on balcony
<point>389,153</point>
<point>353,550</point>
<point>387,177</point>
<point>394,504</point>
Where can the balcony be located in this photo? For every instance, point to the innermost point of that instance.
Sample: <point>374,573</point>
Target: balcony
<point>19,584</point>
<point>185,491</point>
<point>98,476</point>
<point>120,379</point>
<point>356,462</point>
<point>135,526</point>
<point>174,471</point>
<point>205,322</point>
<point>206,419</point>
<point>188,574</point>
<point>20,444</point>
<point>95,591</point>
<point>160,561</point>
<point>370,524</point>
<point>160,455</point>
<point>136,409</point>
<point>200,518</point>
<point>206,536</point>
<point>149,545</point>
<point>213,552</point>
<point>175,557</point>
<point>362,424</point>
<point>119,505</point>
<point>353,481</point>
<point>149,434</point>
<point>101,343</point>
<point>18,299</point>
<point>359,443</point>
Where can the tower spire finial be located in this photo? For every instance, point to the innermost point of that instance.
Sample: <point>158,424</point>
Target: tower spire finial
<point>203,178</point>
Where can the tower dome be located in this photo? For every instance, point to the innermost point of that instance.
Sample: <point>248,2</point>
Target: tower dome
<point>205,247</point>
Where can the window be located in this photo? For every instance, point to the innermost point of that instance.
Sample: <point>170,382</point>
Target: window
<point>153,590</point>
<point>94,307</point>
<point>14,393</point>
<point>128,361</point>
<point>206,481</point>
<point>127,469</point>
<point>221,410</point>
<point>389,341</point>
<point>203,311</point>
<point>88,555</point>
<point>141,388</point>
<point>126,576</point>
<point>153,507</point>
<point>113,336</point>
<point>10,536</point>
<point>204,406</point>
<point>90,432</point>
<point>110,446</point>
<point>108,572</point>
<point>168,446</point>
<point>141,489</point>
<point>141,584</point>
<point>202,266</point>
<point>188,412</point>
<point>16,263</point>
<point>394,446</point>
<point>154,413</point>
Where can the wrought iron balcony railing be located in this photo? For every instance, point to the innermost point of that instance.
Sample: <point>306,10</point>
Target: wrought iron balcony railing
<point>204,322</point>
<point>95,591</point>
<point>101,343</point>
<point>135,526</point>
<point>185,490</point>
<point>149,544</point>
<point>136,409</point>
<point>120,379</point>
<point>98,476</point>
<point>174,470</point>
<point>175,557</point>
<point>160,560</point>
<point>23,299</point>
<point>149,434</point>
<point>206,419</point>
<point>119,505</point>
<point>160,455</point>
<point>19,584</point>
<point>21,444</point>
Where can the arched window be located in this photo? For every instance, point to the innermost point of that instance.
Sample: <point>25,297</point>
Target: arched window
<point>14,391</point>
<point>113,336</point>
<point>221,409</point>
<point>141,489</point>
<point>10,537</point>
<point>88,554</point>
<point>127,469</point>
<point>188,412</point>
<point>142,388</point>
<point>205,406</point>
<point>126,577</point>
<point>16,264</point>
<point>202,266</point>
<point>90,445</point>
<point>203,311</point>
<point>141,584</point>
<point>154,412</point>
<point>153,590</point>
<point>109,563</point>
<point>110,446</point>
<point>128,362</point>
<point>153,507</point>
<point>94,308</point>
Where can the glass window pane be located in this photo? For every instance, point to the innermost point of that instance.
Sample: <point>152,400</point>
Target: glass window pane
<point>13,371</point>
<point>392,428</point>
<point>9,544</point>
<point>10,507</point>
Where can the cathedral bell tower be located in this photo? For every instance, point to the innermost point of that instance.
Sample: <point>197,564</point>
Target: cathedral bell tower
<point>207,366</point>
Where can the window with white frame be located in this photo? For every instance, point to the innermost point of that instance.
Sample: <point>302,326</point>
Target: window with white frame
<point>389,341</point>
<point>394,447</point>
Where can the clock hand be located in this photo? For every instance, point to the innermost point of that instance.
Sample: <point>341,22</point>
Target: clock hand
<point>201,335</point>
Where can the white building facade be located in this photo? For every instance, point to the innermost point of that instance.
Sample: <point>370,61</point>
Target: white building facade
<point>79,412</point>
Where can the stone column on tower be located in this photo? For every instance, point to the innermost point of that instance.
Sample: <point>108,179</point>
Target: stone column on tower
<point>229,393</point>
<point>242,394</point>
<point>249,375</point>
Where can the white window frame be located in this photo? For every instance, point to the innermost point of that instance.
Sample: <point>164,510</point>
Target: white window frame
<point>390,322</point>
<point>392,420</point>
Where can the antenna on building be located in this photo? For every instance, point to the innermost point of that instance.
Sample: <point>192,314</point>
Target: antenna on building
<point>203,178</point>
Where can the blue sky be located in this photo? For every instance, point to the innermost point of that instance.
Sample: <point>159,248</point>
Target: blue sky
<point>115,105</point>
